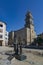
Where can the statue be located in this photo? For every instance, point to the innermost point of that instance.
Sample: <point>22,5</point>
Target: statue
<point>15,45</point>
<point>18,50</point>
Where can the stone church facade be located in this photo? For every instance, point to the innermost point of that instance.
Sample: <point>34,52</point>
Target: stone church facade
<point>24,35</point>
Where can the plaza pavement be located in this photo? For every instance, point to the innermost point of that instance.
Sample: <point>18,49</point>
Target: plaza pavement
<point>32,59</point>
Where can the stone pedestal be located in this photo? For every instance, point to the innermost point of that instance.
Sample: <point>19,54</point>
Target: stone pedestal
<point>20,57</point>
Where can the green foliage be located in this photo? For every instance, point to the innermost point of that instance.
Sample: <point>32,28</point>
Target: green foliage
<point>39,40</point>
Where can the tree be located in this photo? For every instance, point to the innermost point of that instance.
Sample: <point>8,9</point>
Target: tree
<point>39,40</point>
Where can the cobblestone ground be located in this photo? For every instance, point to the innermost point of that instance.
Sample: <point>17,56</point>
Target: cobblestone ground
<point>32,59</point>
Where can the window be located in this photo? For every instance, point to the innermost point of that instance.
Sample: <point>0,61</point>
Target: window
<point>6,38</point>
<point>6,34</point>
<point>1,25</point>
<point>0,36</point>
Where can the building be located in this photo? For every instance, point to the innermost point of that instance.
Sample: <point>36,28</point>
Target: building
<point>3,34</point>
<point>24,35</point>
<point>11,38</point>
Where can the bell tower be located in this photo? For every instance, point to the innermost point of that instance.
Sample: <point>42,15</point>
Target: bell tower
<point>28,19</point>
<point>29,25</point>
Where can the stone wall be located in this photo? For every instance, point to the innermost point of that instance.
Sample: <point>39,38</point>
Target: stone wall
<point>30,35</point>
<point>21,34</point>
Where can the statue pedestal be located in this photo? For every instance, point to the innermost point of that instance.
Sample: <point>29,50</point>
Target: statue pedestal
<point>20,57</point>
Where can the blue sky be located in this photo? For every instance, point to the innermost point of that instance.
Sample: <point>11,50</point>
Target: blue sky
<point>13,13</point>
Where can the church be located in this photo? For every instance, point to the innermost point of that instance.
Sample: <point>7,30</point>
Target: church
<point>25,35</point>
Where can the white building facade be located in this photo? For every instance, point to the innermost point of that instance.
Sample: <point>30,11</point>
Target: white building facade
<point>3,34</point>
